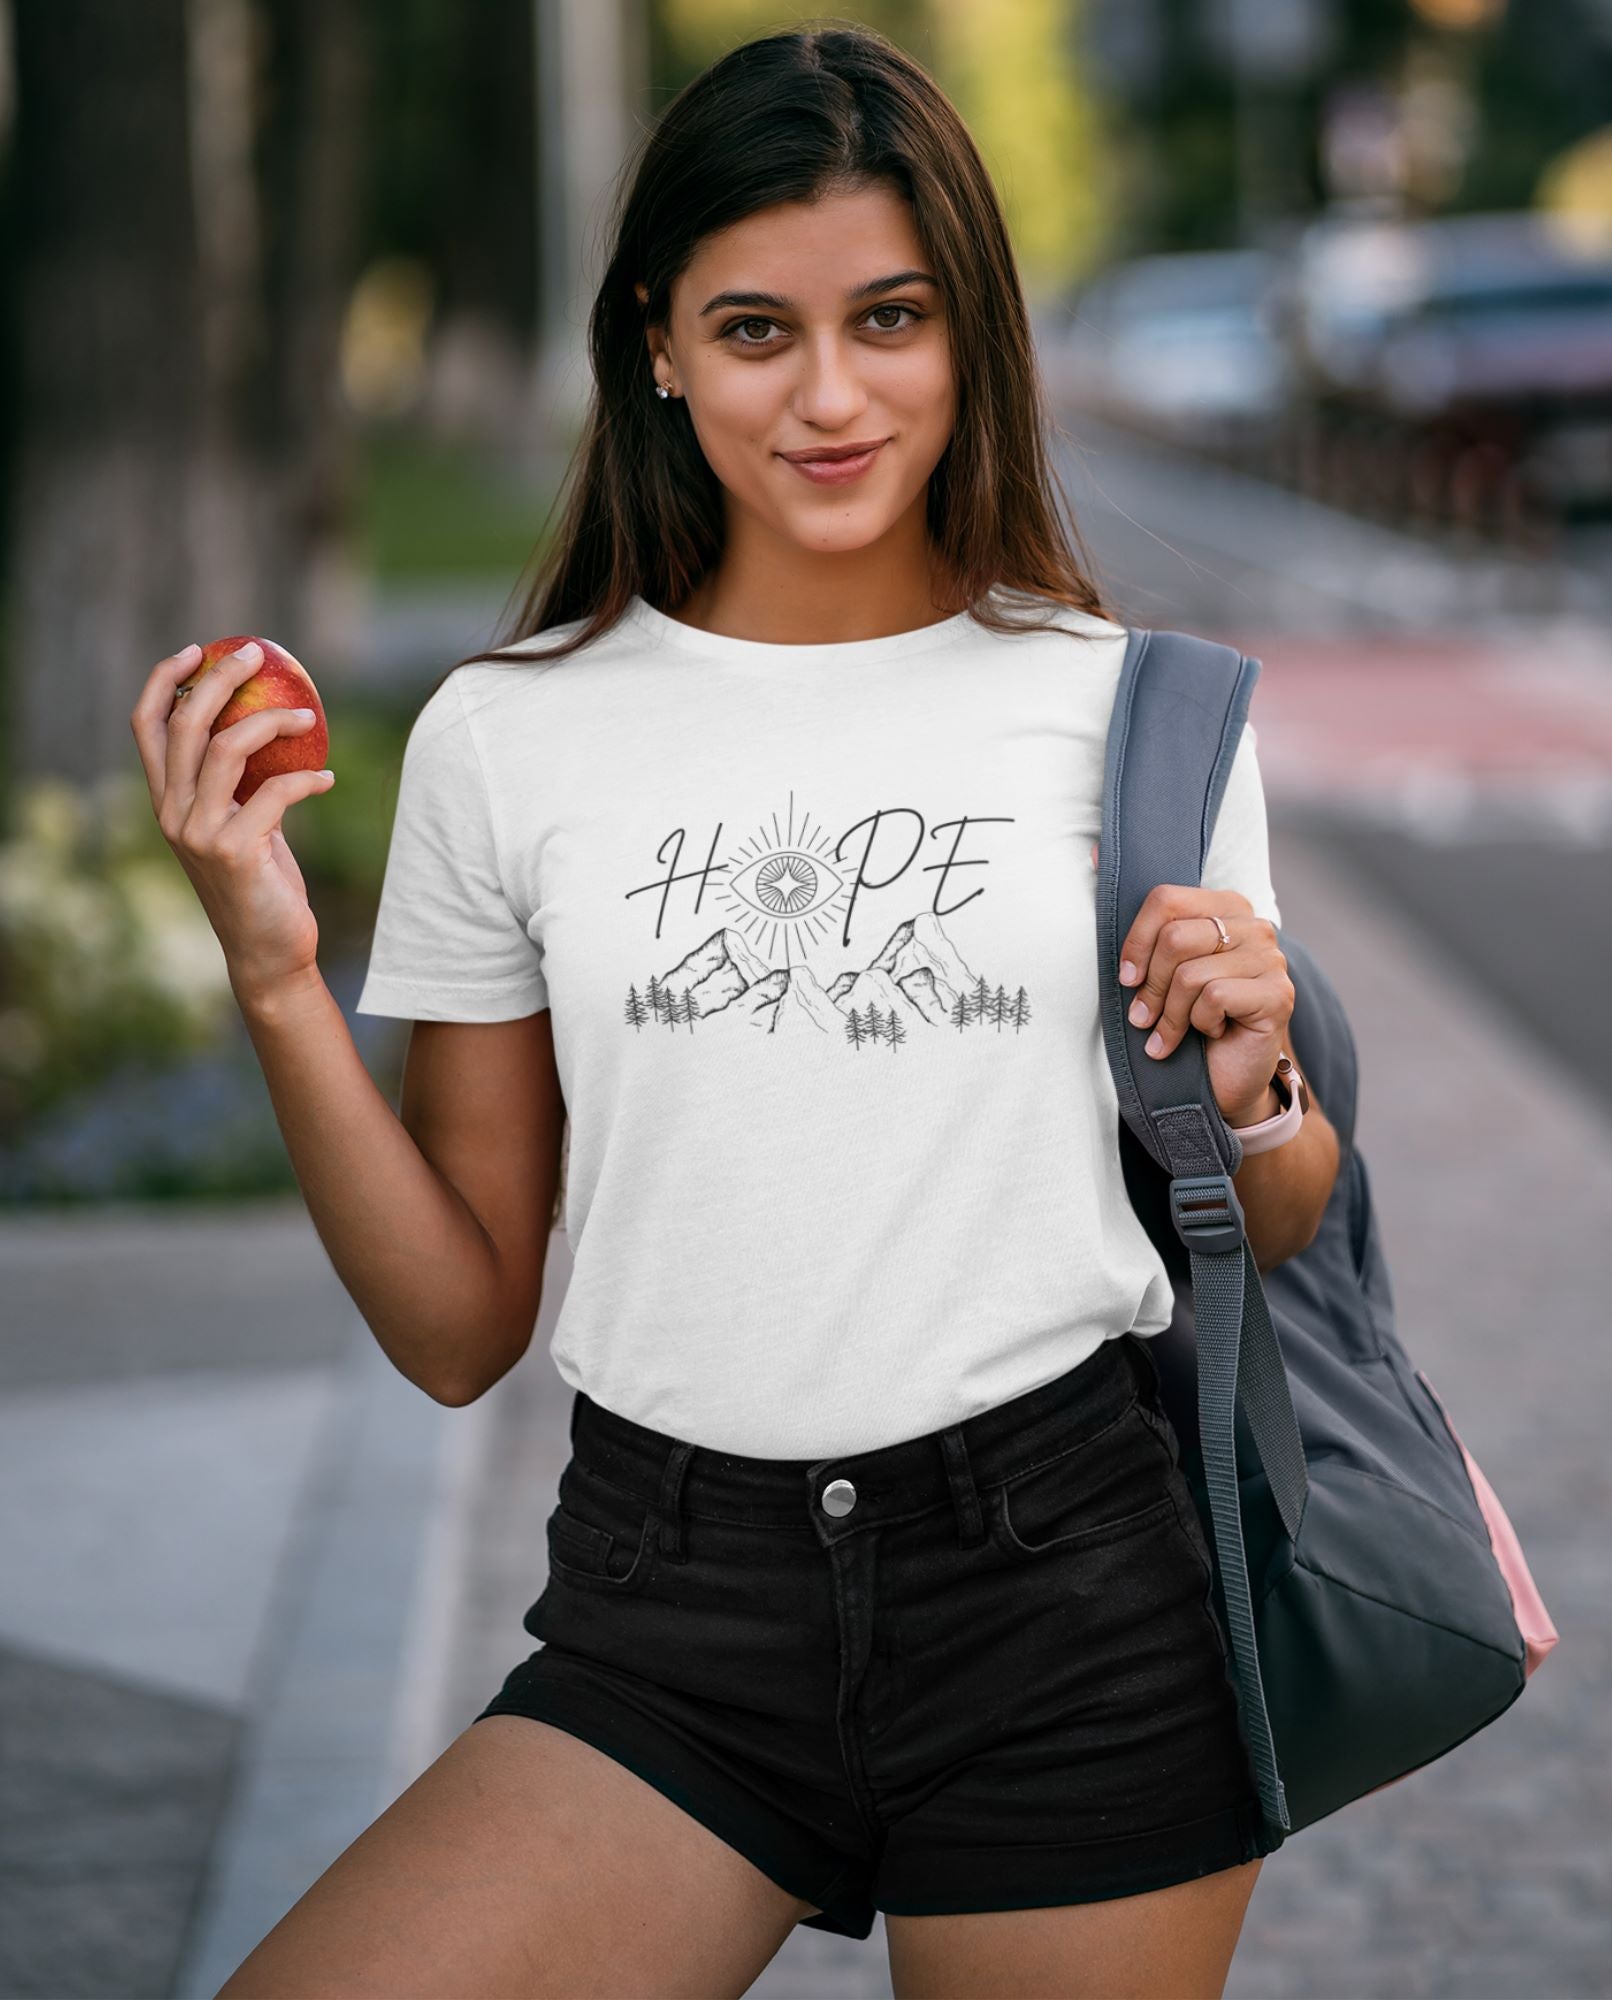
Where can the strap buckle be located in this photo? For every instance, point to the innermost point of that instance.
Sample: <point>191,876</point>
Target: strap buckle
<point>1206,1212</point>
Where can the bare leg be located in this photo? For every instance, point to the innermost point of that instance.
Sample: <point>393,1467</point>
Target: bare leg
<point>1168,1944</point>
<point>526,1865</point>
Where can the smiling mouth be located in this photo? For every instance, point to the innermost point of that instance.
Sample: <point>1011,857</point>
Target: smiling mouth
<point>835,468</point>
<point>831,454</point>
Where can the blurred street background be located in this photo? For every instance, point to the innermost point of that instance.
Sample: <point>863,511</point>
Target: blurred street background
<point>292,295</point>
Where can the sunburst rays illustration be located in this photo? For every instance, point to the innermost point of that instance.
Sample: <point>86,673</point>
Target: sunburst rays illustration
<point>782,891</point>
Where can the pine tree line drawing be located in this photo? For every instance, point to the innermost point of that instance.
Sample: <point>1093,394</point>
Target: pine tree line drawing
<point>918,982</point>
<point>661,1002</point>
<point>874,1027</point>
<point>981,1006</point>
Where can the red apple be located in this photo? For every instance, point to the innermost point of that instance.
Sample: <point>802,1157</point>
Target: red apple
<point>282,681</point>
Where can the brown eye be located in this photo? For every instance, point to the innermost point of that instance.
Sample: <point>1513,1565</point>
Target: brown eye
<point>731,333</point>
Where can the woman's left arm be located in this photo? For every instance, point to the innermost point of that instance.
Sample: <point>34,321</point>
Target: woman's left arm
<point>1241,999</point>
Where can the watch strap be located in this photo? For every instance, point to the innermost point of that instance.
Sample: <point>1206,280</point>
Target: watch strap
<point>1284,1124</point>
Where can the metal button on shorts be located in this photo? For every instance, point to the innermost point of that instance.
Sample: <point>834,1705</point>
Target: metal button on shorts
<point>839,1497</point>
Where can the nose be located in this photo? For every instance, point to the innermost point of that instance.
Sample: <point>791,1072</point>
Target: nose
<point>829,394</point>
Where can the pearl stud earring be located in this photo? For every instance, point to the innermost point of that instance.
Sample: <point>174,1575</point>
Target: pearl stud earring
<point>662,391</point>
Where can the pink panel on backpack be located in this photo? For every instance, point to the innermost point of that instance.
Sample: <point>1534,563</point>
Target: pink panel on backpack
<point>1533,1620</point>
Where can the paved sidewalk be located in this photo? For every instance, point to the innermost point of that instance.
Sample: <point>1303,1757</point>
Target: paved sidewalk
<point>1484,1875</point>
<point>217,1492</point>
<point>261,1581</point>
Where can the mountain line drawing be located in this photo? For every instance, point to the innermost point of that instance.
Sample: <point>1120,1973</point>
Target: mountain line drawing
<point>918,983</point>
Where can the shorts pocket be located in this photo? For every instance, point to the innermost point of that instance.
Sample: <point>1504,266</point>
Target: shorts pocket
<point>1191,1526</point>
<point>1098,1491</point>
<point>599,1535</point>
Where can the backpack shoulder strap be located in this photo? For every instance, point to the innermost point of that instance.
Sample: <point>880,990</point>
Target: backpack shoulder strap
<point>1177,718</point>
<point>1178,715</point>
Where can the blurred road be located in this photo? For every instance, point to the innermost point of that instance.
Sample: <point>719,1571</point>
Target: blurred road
<point>262,1581</point>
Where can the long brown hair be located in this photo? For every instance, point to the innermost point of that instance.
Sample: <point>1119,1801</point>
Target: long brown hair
<point>788,117</point>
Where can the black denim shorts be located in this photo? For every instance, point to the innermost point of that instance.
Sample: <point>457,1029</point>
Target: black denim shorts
<point>980,1669</point>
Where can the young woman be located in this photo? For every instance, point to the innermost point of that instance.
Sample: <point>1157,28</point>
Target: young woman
<point>760,864</point>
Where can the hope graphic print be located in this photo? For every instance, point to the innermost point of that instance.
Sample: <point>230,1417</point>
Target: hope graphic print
<point>793,896</point>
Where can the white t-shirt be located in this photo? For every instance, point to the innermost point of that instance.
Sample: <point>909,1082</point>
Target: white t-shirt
<point>817,926</point>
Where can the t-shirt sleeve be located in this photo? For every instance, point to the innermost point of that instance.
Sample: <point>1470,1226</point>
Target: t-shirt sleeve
<point>1239,847</point>
<point>448,945</point>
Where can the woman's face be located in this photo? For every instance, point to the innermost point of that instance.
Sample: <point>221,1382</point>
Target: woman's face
<point>807,326</point>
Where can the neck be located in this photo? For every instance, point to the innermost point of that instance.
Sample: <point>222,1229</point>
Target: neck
<point>775,592</point>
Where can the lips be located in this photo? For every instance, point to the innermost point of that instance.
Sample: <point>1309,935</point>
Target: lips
<point>819,454</point>
<point>837,467</point>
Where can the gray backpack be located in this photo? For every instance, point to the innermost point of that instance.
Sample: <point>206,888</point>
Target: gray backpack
<point>1376,1601</point>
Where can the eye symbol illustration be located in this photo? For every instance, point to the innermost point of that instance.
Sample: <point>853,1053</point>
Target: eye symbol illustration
<point>787,884</point>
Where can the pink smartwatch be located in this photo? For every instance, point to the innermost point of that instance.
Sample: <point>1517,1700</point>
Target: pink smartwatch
<point>1277,1130</point>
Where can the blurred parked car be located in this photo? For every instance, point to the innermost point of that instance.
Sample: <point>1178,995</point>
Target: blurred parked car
<point>1179,345</point>
<point>1459,369</point>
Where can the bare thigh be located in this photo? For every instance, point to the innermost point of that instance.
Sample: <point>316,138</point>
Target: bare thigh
<point>526,1863</point>
<point>1167,1944</point>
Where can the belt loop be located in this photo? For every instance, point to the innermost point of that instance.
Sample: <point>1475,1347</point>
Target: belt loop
<point>1143,1366</point>
<point>669,1505</point>
<point>965,1495</point>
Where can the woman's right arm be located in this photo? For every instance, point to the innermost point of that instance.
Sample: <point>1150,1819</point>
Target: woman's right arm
<point>437,1221</point>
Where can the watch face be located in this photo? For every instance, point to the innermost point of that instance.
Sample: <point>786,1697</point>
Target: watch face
<point>1293,1077</point>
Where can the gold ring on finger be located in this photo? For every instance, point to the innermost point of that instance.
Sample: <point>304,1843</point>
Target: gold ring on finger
<point>1225,936</point>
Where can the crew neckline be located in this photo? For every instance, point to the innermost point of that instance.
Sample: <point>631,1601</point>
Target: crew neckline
<point>673,632</point>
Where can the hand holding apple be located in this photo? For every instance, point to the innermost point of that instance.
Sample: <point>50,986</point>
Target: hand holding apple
<point>200,765</point>
<point>280,682</point>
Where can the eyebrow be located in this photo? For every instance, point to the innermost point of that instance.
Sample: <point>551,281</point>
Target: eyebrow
<point>781,304</point>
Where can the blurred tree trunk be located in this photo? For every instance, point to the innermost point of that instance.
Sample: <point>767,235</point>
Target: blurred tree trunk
<point>593,101</point>
<point>473,212</point>
<point>109,354</point>
<point>188,180</point>
<point>313,151</point>
<point>487,253</point>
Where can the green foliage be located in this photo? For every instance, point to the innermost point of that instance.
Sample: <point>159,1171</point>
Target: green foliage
<point>104,951</point>
<point>106,955</point>
<point>340,837</point>
<point>1012,73</point>
<point>430,508</point>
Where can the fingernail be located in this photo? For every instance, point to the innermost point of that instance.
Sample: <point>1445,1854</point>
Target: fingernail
<point>1155,1044</point>
<point>250,651</point>
<point>1127,973</point>
<point>188,652</point>
<point>1139,1012</point>
<point>305,713</point>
